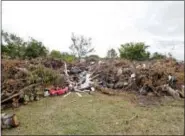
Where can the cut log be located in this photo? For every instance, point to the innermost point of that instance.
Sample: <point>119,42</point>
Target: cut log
<point>172,92</point>
<point>8,121</point>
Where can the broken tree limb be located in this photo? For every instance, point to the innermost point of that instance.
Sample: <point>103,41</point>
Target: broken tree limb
<point>6,94</point>
<point>172,92</point>
<point>77,90</point>
<point>24,70</point>
<point>65,69</point>
<point>20,92</point>
<point>135,116</point>
<point>94,77</point>
<point>67,75</point>
<point>67,94</point>
<point>79,94</point>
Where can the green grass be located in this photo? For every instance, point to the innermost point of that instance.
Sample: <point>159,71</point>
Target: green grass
<point>98,114</point>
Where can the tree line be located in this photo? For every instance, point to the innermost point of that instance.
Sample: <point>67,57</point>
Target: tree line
<point>12,46</point>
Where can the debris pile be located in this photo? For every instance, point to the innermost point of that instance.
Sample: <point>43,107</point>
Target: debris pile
<point>157,77</point>
<point>25,80</point>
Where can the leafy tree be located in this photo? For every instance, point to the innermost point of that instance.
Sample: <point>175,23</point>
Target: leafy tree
<point>81,46</point>
<point>55,54</point>
<point>111,53</point>
<point>134,51</point>
<point>16,47</point>
<point>35,49</point>
<point>12,45</point>
<point>67,57</point>
<point>157,55</point>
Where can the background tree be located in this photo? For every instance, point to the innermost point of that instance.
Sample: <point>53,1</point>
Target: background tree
<point>62,55</point>
<point>35,49</point>
<point>15,47</point>
<point>111,53</point>
<point>157,55</point>
<point>67,57</point>
<point>81,46</point>
<point>55,54</point>
<point>12,45</point>
<point>134,51</point>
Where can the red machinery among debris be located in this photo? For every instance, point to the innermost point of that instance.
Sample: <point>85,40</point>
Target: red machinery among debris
<point>58,91</point>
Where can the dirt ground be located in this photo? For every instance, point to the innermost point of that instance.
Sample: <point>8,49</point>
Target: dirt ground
<point>99,114</point>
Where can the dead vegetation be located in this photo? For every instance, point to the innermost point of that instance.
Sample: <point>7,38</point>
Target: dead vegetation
<point>25,80</point>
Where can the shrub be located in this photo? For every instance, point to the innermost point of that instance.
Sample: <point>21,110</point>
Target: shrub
<point>134,51</point>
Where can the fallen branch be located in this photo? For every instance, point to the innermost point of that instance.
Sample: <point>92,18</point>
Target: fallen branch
<point>79,94</point>
<point>77,90</point>
<point>127,121</point>
<point>67,94</point>
<point>24,70</point>
<point>172,92</point>
<point>20,92</point>
<point>94,77</point>
<point>65,69</point>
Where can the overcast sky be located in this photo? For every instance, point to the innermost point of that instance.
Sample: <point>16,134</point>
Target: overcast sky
<point>159,24</point>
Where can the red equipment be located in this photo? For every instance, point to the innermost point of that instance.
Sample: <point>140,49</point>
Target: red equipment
<point>59,91</point>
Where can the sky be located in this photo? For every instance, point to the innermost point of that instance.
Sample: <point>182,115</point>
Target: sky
<point>159,24</point>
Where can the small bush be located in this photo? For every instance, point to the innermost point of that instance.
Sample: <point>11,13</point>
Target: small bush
<point>134,51</point>
<point>157,55</point>
<point>44,75</point>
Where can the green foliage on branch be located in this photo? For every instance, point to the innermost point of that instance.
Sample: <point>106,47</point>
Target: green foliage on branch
<point>55,54</point>
<point>134,51</point>
<point>157,55</point>
<point>35,49</point>
<point>63,56</point>
<point>15,47</point>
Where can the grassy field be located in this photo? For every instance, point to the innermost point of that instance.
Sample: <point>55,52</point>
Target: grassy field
<point>98,114</point>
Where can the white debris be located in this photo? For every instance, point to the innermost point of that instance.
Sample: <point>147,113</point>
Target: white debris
<point>125,83</point>
<point>22,69</point>
<point>87,82</point>
<point>92,62</point>
<point>82,60</point>
<point>169,77</point>
<point>46,93</point>
<point>171,91</point>
<point>133,75</point>
<point>79,94</point>
<point>182,87</point>
<point>92,89</point>
<point>144,66</point>
<point>138,67</point>
<point>119,72</point>
<point>100,62</point>
<point>67,94</point>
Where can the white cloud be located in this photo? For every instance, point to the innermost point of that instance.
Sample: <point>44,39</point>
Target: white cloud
<point>109,23</point>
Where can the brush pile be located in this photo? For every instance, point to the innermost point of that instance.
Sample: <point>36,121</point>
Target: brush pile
<point>26,80</point>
